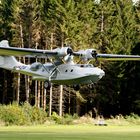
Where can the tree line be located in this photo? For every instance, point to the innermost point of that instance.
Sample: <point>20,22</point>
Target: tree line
<point>109,26</point>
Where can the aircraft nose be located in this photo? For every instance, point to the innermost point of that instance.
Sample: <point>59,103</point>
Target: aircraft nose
<point>101,74</point>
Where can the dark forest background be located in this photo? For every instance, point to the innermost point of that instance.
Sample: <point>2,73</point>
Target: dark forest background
<point>110,26</point>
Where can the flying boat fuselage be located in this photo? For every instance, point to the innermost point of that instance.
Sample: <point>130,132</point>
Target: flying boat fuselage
<point>77,74</point>
<point>63,74</point>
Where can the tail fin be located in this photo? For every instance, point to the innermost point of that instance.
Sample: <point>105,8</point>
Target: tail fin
<point>7,62</point>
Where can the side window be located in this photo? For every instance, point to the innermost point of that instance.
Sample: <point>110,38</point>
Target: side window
<point>71,70</point>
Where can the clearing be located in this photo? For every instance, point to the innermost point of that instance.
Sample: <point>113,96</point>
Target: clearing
<point>70,132</point>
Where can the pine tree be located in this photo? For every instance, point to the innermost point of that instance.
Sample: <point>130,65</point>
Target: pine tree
<point>116,34</point>
<point>130,99</point>
<point>6,19</point>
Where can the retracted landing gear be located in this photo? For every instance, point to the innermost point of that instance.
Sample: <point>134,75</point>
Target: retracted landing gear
<point>47,85</point>
<point>91,86</point>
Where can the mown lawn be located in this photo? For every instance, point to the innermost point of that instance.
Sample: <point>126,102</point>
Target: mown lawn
<point>71,132</point>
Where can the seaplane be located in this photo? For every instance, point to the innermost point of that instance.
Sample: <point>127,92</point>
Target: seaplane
<point>61,68</point>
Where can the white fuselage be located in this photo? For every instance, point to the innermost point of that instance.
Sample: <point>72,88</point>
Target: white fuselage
<point>66,74</point>
<point>62,74</point>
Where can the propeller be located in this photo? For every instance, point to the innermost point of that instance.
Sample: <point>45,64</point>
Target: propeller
<point>69,57</point>
<point>69,51</point>
<point>94,54</point>
<point>87,54</point>
<point>90,54</point>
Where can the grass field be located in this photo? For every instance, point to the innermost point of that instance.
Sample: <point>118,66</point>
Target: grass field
<point>71,132</point>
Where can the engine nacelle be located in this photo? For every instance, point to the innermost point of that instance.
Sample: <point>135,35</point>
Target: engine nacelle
<point>61,52</point>
<point>88,54</point>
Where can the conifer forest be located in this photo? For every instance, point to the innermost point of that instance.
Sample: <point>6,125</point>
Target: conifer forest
<point>109,26</point>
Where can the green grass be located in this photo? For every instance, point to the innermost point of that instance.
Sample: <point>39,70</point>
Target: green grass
<point>72,132</point>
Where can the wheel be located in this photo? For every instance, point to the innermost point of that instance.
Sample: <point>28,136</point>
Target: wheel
<point>76,87</point>
<point>47,85</point>
<point>91,86</point>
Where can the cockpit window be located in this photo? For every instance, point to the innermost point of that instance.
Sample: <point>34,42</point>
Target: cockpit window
<point>35,66</point>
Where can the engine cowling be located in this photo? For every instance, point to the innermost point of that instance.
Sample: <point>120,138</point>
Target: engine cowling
<point>61,52</point>
<point>88,54</point>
